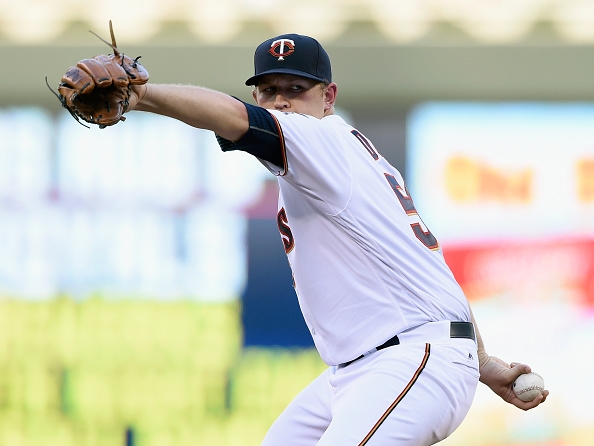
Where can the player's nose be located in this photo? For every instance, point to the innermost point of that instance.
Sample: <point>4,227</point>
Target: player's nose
<point>280,102</point>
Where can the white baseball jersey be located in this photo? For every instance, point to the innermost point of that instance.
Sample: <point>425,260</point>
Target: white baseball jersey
<point>364,265</point>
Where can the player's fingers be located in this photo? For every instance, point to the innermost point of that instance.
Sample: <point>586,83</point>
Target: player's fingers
<point>517,369</point>
<point>98,72</point>
<point>137,74</point>
<point>527,405</point>
<point>78,80</point>
<point>516,364</point>
<point>115,71</point>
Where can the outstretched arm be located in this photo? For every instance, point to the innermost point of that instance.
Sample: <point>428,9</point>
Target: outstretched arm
<point>196,106</point>
<point>499,376</point>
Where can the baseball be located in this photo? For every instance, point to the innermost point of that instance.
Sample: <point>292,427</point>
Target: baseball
<point>528,386</point>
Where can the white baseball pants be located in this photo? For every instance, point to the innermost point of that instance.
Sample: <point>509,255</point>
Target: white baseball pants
<point>416,393</point>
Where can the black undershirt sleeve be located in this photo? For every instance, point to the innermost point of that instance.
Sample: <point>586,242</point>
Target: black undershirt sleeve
<point>263,138</point>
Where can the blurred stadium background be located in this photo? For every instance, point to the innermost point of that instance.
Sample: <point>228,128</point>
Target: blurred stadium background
<point>144,294</point>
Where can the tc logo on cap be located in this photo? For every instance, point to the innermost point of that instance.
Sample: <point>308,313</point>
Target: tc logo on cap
<point>281,48</point>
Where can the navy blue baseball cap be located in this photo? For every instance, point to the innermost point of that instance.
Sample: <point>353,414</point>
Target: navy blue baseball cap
<point>291,54</point>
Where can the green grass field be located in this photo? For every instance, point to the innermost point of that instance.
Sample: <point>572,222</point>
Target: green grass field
<point>81,373</point>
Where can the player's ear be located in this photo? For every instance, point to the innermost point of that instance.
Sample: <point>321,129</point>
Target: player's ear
<point>254,94</point>
<point>330,92</point>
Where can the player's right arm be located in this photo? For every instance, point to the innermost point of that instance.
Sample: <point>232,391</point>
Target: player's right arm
<point>196,106</point>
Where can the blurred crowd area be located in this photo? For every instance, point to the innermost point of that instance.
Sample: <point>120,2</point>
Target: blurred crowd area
<point>224,21</point>
<point>146,209</point>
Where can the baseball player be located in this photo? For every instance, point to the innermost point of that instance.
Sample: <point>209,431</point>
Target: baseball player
<point>383,308</point>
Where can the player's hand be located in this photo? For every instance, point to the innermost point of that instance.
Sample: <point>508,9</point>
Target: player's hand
<point>499,377</point>
<point>137,93</point>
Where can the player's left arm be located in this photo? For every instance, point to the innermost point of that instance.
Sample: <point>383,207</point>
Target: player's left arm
<point>499,376</point>
<point>196,106</point>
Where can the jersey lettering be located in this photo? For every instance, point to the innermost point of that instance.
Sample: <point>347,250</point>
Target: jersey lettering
<point>403,196</point>
<point>283,226</point>
<point>407,204</point>
<point>366,143</point>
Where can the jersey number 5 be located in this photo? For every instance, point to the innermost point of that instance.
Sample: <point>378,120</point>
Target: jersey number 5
<point>404,197</point>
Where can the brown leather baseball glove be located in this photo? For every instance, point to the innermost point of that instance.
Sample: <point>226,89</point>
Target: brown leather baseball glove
<point>97,90</point>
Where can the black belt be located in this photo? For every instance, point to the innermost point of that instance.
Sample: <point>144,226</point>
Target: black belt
<point>457,330</point>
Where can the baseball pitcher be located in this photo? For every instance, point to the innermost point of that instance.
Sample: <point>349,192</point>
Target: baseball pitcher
<point>404,353</point>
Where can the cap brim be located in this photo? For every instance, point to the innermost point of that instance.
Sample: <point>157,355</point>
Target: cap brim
<point>254,79</point>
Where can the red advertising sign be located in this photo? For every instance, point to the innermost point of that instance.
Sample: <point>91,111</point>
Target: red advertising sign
<point>495,268</point>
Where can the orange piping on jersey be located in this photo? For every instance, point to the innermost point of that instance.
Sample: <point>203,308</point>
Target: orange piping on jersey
<point>282,142</point>
<point>400,397</point>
